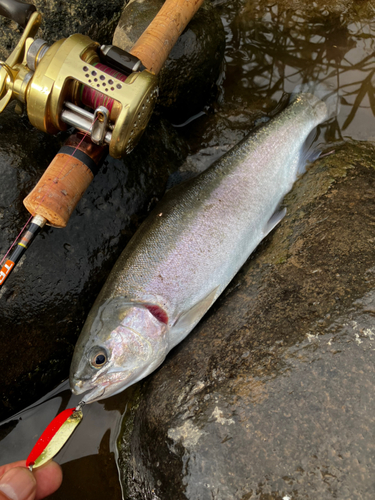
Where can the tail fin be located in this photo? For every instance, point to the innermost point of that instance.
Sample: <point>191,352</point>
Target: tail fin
<point>322,91</point>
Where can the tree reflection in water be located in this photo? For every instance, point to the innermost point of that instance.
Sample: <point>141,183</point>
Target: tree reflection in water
<point>271,50</point>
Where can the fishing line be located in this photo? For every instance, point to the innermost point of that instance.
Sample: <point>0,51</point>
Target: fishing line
<point>93,98</point>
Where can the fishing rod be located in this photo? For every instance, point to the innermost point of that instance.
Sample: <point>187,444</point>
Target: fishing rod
<point>104,92</point>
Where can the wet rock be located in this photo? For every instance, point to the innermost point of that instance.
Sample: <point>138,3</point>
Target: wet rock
<point>45,301</point>
<point>194,63</point>
<point>270,397</point>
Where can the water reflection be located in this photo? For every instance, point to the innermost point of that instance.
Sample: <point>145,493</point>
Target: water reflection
<point>88,459</point>
<point>271,50</point>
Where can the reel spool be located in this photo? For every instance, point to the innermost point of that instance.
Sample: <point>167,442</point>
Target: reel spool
<point>105,92</point>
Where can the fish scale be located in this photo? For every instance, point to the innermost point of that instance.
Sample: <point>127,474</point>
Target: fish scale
<point>223,205</point>
<point>188,250</point>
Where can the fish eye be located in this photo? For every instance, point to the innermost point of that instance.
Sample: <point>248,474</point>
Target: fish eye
<point>98,359</point>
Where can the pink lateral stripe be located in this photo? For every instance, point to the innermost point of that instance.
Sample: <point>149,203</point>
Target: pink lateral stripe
<point>47,435</point>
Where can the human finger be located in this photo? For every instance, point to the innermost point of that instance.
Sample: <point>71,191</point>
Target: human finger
<point>17,483</point>
<point>48,479</point>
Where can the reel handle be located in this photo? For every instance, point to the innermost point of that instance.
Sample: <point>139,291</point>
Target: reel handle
<point>156,42</point>
<point>17,11</point>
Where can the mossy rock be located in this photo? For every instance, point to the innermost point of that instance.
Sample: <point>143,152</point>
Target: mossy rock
<point>270,396</point>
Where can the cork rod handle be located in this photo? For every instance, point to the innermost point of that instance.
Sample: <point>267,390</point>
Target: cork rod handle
<point>154,45</point>
<point>67,177</point>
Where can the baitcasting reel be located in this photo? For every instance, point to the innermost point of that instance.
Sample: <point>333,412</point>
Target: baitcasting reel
<point>102,91</point>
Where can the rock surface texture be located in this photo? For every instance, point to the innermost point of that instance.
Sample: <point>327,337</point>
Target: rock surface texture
<point>93,18</point>
<point>271,396</point>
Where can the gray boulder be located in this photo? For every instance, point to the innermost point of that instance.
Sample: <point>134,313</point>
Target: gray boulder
<point>270,397</point>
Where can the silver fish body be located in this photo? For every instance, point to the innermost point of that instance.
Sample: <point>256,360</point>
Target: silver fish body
<point>187,251</point>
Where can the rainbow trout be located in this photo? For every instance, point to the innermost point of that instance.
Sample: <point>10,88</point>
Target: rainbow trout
<point>188,250</point>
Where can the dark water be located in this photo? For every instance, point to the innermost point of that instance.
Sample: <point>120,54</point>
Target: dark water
<point>92,451</point>
<point>270,50</point>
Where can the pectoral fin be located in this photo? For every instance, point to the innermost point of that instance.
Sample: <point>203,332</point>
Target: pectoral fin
<point>188,319</point>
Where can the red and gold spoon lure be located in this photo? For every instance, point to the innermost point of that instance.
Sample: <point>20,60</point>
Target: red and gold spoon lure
<point>55,436</point>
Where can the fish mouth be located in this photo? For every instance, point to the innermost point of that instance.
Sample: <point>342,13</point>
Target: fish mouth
<point>96,392</point>
<point>94,395</point>
<point>100,390</point>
